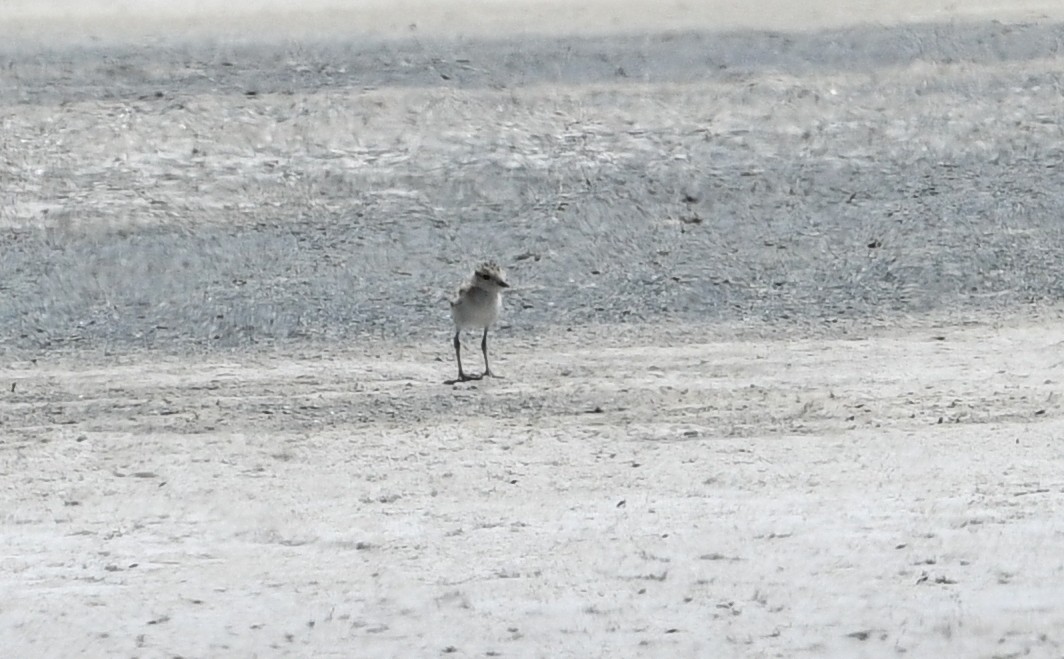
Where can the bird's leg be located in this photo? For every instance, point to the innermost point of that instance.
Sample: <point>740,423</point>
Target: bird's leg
<point>462,377</point>
<point>458,352</point>
<point>484,349</point>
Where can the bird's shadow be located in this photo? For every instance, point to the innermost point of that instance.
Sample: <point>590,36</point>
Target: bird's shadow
<point>474,378</point>
<point>466,378</point>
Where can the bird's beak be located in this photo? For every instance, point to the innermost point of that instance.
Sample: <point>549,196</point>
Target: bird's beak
<point>503,284</point>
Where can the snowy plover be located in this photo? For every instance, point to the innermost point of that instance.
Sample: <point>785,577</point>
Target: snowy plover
<point>476,306</point>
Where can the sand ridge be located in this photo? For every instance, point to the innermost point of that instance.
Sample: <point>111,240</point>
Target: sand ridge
<point>282,19</point>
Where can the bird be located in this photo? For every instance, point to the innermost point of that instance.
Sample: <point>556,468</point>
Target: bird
<point>477,306</point>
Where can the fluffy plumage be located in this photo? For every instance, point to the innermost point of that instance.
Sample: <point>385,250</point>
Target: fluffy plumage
<point>479,300</point>
<point>477,306</point>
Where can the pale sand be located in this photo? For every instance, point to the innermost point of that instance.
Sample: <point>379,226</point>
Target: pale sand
<point>897,495</point>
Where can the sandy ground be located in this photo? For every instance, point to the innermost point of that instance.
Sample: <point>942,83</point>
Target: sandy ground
<point>897,494</point>
<point>781,358</point>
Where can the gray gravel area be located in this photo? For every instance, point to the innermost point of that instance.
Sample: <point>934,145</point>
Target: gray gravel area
<point>198,194</point>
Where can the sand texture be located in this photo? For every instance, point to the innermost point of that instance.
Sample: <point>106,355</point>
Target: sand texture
<point>781,359</point>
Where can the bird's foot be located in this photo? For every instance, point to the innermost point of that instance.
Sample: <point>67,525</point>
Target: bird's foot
<point>462,377</point>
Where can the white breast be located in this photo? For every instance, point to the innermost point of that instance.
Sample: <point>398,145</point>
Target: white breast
<point>476,308</point>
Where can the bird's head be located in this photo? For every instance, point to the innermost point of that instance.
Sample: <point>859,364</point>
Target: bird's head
<point>490,276</point>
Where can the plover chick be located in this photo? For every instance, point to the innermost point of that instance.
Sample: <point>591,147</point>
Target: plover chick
<point>477,306</point>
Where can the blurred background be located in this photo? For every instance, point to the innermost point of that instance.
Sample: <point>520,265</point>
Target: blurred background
<point>209,174</point>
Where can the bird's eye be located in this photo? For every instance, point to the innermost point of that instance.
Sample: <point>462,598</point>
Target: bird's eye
<point>482,275</point>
